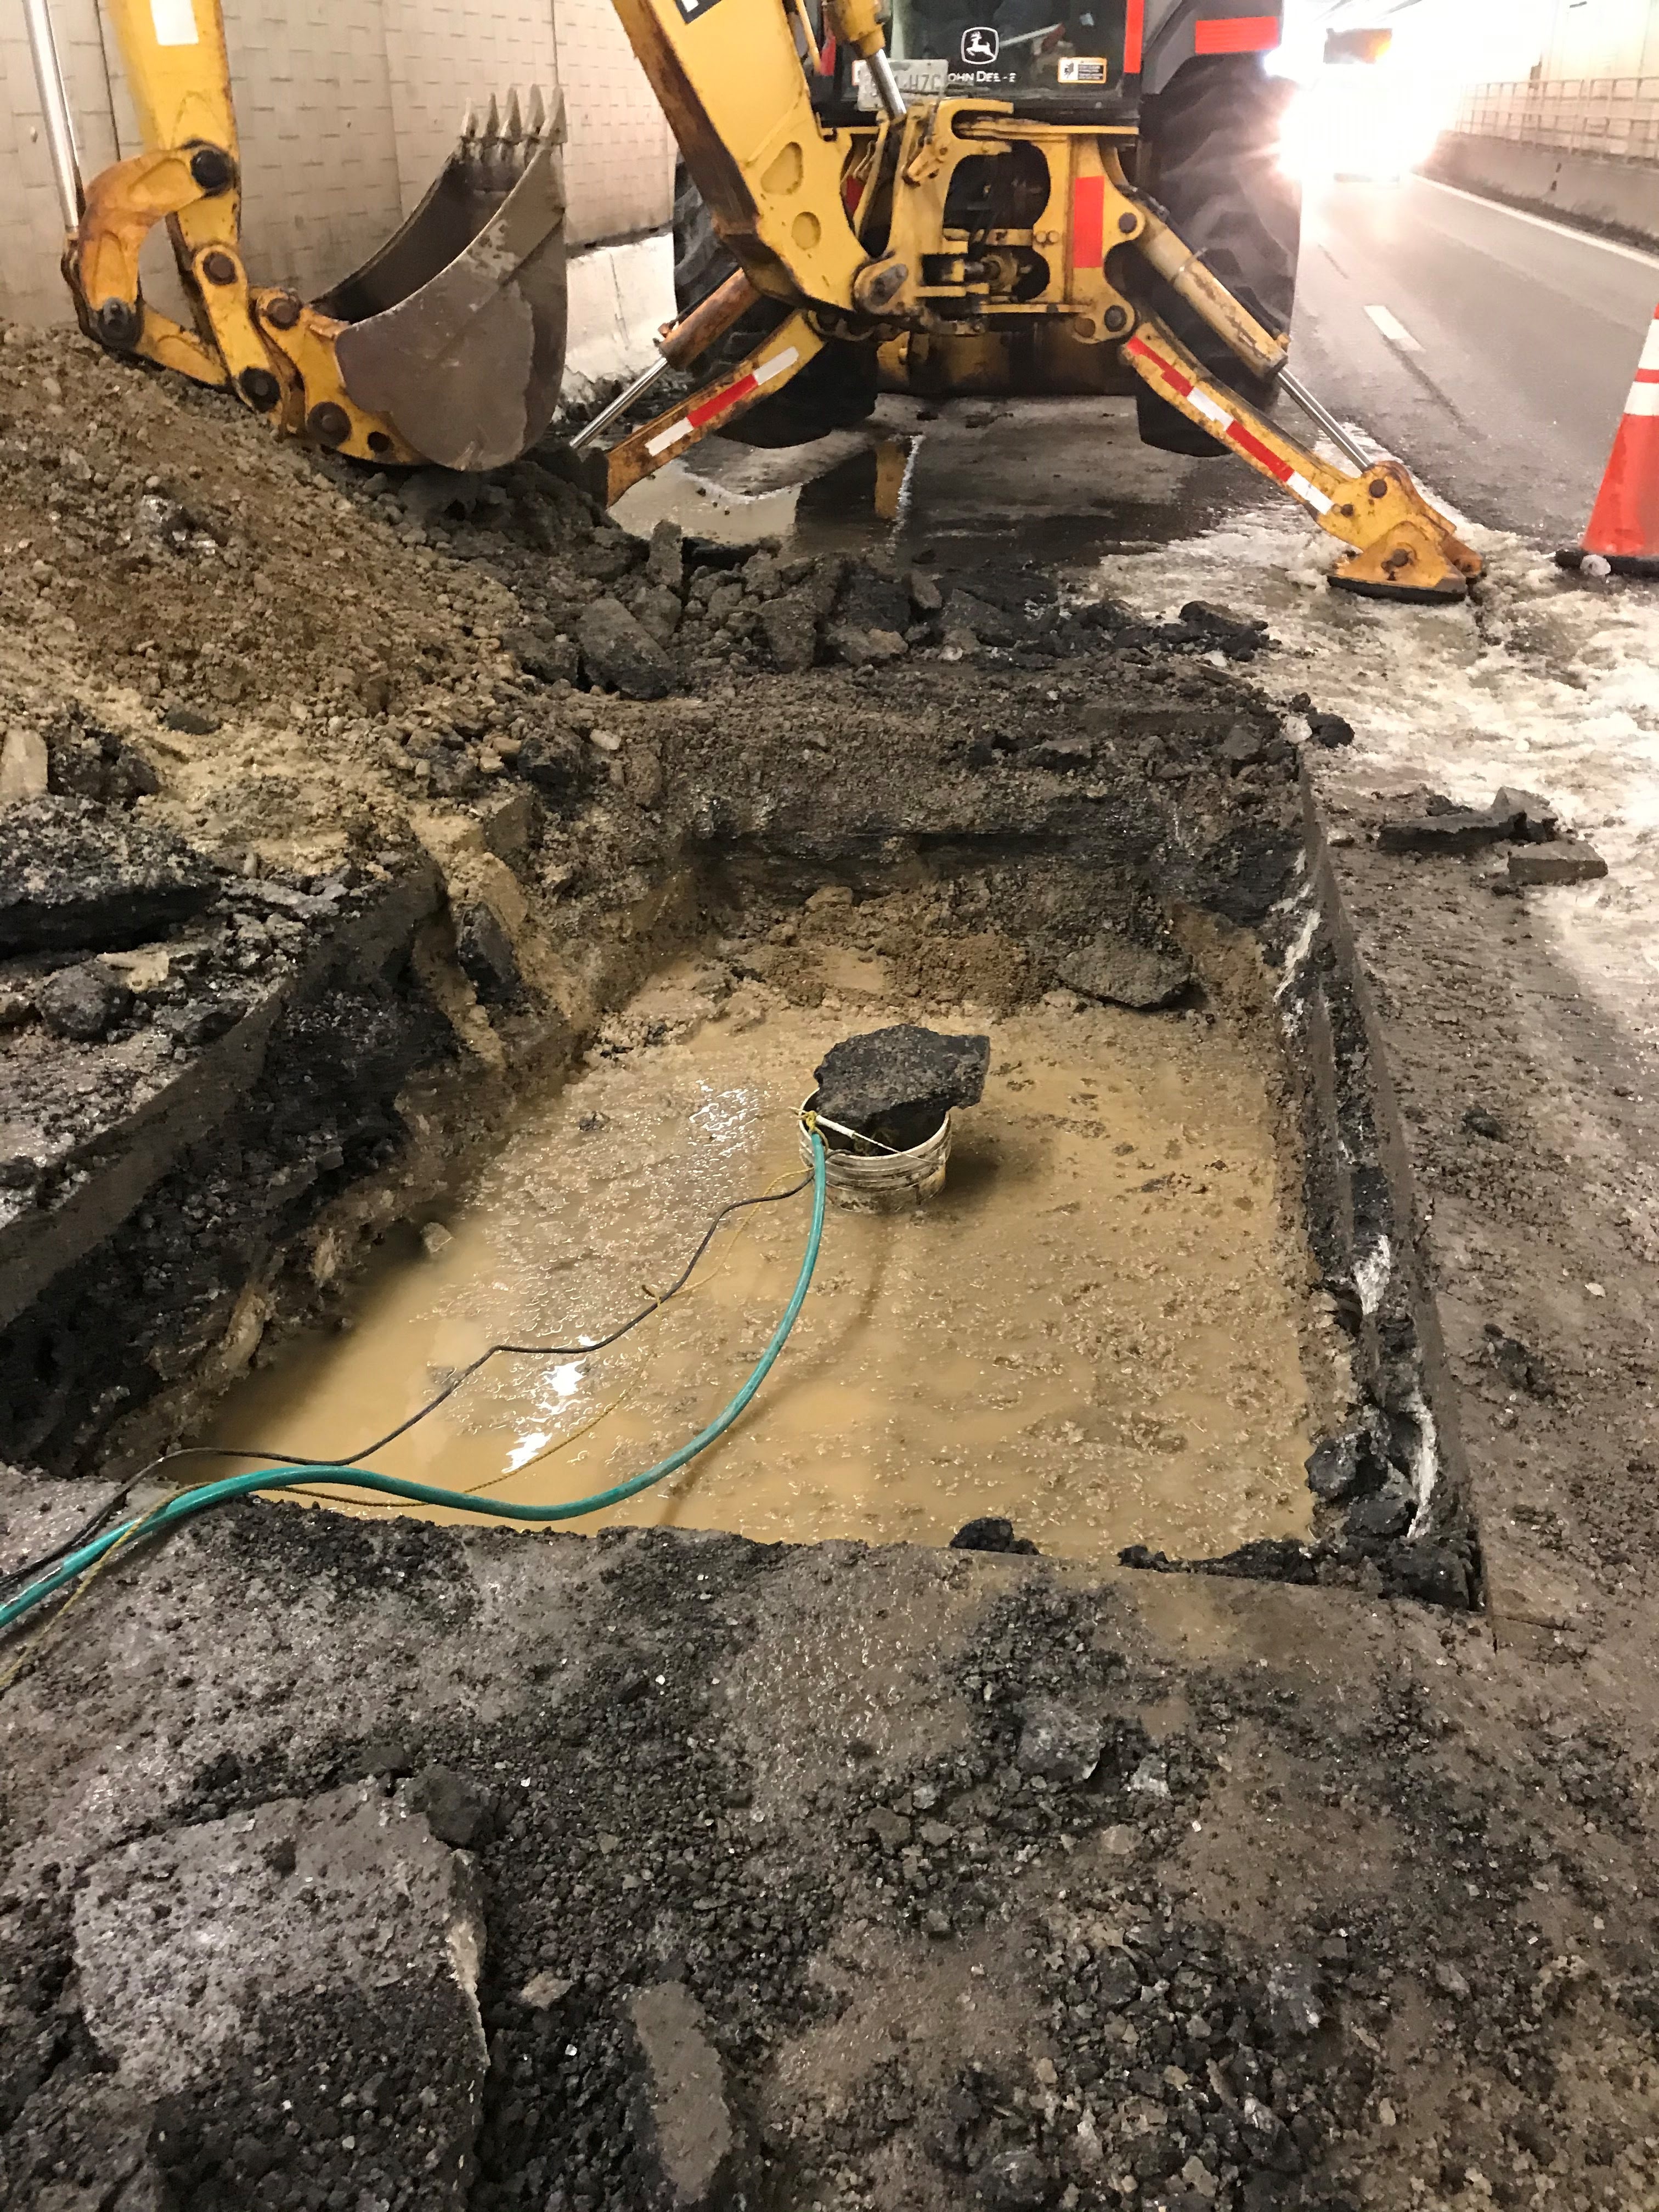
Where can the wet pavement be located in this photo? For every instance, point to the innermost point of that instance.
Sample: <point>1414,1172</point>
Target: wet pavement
<point>1062,481</point>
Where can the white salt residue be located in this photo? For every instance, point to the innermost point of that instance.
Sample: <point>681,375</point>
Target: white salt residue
<point>1547,682</point>
<point>1370,1275</point>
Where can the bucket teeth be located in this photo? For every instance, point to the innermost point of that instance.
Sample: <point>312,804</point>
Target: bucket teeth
<point>504,138</point>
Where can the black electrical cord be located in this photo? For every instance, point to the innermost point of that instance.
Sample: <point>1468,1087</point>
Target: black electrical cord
<point>83,1534</point>
<point>90,1527</point>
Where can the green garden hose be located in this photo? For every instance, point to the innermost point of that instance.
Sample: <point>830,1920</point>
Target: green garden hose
<point>192,1502</point>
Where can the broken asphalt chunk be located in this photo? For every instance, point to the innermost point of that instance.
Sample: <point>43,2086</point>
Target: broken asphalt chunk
<point>1239,637</point>
<point>622,654</point>
<point>486,955</point>
<point>1569,861</point>
<point>238,1948</point>
<point>84,1002</point>
<point>991,1533</point>
<point>897,1084</point>
<point>1126,973</point>
<point>1514,816</point>
<point>686,2124</point>
<point>75,878</point>
<point>1059,1743</point>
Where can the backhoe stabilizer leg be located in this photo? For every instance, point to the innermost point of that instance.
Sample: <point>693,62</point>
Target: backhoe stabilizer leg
<point>772,365</point>
<point>1403,548</point>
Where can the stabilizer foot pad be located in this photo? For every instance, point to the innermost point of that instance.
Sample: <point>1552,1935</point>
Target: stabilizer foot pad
<point>1451,593</point>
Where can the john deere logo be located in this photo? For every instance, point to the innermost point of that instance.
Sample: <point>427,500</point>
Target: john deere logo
<point>979,46</point>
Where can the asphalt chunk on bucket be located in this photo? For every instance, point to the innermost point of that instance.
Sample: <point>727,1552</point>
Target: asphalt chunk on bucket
<point>895,1085</point>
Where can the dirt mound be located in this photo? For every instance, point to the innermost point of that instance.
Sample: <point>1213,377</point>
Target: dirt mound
<point>297,651</point>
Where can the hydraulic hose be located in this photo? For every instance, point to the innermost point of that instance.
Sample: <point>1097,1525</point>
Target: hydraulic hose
<point>199,1500</point>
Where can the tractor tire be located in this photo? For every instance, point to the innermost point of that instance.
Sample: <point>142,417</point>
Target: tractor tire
<point>835,391</point>
<point>1209,157</point>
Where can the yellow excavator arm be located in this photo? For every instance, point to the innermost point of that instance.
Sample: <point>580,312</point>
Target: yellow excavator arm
<point>449,345</point>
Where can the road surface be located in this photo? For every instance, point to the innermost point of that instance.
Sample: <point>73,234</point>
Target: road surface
<point>1490,349</point>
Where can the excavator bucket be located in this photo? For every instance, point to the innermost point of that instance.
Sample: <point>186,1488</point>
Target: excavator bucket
<point>454,331</point>
<point>447,346</point>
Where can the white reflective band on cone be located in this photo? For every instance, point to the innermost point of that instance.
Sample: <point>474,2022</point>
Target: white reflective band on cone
<point>1650,347</point>
<point>1643,400</point>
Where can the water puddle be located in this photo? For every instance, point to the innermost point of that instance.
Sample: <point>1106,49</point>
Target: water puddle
<point>1093,1331</point>
<point>1061,480</point>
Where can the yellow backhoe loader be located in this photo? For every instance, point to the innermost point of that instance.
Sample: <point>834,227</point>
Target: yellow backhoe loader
<point>1040,198</point>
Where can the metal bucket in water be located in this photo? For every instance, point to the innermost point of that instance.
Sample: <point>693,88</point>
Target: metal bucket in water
<point>881,1182</point>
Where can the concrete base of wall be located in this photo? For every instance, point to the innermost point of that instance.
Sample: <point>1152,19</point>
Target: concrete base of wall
<point>620,297</point>
<point>1621,198</point>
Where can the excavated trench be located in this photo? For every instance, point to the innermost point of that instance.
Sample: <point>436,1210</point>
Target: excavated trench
<point>1093,1333</point>
<point>1167,1306</point>
<point>434,859</point>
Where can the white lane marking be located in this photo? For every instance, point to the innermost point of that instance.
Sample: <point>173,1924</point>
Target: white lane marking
<point>1543,223</point>
<point>1394,329</point>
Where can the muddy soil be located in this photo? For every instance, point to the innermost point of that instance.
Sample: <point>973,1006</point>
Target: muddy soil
<point>957,1361</point>
<point>356,1865</point>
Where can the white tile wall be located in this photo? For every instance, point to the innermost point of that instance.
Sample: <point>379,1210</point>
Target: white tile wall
<point>30,227</point>
<point>619,163</point>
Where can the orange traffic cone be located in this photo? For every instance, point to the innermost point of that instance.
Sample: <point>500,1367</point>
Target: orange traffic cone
<point>1624,531</point>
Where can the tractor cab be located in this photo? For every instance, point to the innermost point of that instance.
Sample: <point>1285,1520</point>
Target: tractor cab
<point>1067,59</point>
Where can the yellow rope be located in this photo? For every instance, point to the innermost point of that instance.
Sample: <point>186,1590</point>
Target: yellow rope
<point>53,1620</point>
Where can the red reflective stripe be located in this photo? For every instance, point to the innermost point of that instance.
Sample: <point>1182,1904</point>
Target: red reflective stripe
<point>697,416</point>
<point>1236,35</point>
<point>1134,38</point>
<point>1647,376</point>
<point>1252,445</point>
<point>1166,369</point>
<point>1089,222</point>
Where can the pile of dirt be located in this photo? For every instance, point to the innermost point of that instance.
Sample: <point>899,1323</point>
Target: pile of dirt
<point>298,653</point>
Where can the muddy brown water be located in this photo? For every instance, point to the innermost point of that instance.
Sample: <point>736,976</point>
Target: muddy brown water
<point>1093,1331</point>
